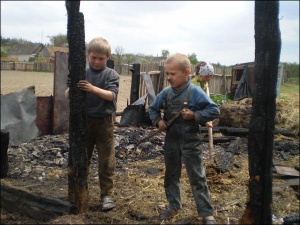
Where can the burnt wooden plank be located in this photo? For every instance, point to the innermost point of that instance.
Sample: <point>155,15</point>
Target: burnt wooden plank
<point>77,160</point>
<point>224,163</point>
<point>243,131</point>
<point>220,139</point>
<point>18,200</point>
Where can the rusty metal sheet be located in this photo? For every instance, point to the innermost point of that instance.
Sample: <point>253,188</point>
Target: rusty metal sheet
<point>18,115</point>
<point>44,115</point>
<point>61,109</point>
<point>289,171</point>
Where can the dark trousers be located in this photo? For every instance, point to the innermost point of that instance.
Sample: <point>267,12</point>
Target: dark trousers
<point>183,143</point>
<point>101,134</point>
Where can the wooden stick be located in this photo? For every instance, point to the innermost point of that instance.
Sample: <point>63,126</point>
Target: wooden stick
<point>210,135</point>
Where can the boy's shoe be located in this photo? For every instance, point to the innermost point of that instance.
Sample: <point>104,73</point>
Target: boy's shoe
<point>168,214</point>
<point>107,203</point>
<point>210,221</point>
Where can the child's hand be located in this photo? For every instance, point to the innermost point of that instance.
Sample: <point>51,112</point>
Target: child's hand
<point>209,124</point>
<point>162,125</point>
<point>187,114</point>
<point>85,86</point>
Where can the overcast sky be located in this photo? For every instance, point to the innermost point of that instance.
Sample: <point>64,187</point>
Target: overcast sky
<point>216,31</point>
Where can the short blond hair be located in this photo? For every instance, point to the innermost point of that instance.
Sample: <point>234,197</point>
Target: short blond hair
<point>182,60</point>
<point>99,45</point>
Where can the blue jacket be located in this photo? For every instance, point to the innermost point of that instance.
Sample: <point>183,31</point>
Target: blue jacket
<point>203,107</point>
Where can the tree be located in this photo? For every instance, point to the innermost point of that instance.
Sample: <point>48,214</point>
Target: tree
<point>165,53</point>
<point>4,50</point>
<point>58,40</point>
<point>119,55</point>
<point>129,58</point>
<point>193,59</point>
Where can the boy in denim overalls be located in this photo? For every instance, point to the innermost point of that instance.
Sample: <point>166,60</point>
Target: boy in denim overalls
<point>182,141</point>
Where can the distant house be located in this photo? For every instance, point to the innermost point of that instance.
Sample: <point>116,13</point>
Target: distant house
<point>53,49</point>
<point>27,51</point>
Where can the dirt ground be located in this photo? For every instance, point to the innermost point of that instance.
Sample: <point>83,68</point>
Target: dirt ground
<point>139,194</point>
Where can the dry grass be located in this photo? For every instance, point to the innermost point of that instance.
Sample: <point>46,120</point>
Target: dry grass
<point>287,115</point>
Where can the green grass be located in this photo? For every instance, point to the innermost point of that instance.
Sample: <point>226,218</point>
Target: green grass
<point>290,92</point>
<point>289,88</point>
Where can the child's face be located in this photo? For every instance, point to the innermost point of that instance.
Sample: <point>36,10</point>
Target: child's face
<point>97,60</point>
<point>206,78</point>
<point>176,77</point>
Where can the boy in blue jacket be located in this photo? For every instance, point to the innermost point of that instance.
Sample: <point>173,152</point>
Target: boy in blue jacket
<point>182,142</point>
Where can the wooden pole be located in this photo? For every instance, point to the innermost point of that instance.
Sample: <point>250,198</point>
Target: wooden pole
<point>77,161</point>
<point>135,82</point>
<point>262,123</point>
<point>210,136</point>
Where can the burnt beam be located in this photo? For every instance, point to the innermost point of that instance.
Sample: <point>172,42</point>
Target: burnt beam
<point>135,82</point>
<point>19,200</point>
<point>77,160</point>
<point>262,122</point>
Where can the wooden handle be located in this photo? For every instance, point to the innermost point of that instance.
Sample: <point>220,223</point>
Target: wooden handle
<point>210,135</point>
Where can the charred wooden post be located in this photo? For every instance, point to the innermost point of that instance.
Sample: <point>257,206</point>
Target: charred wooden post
<point>262,123</point>
<point>77,162</point>
<point>135,82</point>
<point>4,156</point>
<point>110,64</point>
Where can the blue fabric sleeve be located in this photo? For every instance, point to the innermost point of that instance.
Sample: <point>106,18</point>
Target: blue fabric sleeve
<point>156,106</point>
<point>203,107</point>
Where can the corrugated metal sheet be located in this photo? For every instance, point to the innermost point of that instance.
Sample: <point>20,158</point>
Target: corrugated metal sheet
<point>18,115</point>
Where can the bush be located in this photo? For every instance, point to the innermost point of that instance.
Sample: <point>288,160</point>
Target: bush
<point>218,99</point>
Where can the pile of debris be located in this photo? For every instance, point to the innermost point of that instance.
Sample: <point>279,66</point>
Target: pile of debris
<point>49,152</point>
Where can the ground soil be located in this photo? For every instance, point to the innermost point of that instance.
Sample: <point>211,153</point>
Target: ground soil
<point>140,195</point>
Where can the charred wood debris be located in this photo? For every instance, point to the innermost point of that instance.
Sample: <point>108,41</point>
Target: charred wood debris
<point>33,159</point>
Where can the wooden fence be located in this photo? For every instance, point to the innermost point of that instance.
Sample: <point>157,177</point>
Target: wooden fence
<point>27,66</point>
<point>216,85</point>
<point>220,84</point>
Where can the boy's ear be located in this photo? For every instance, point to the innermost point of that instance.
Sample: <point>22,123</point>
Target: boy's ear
<point>187,72</point>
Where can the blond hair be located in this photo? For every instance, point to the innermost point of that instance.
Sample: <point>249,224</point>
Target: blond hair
<point>182,60</point>
<point>99,45</point>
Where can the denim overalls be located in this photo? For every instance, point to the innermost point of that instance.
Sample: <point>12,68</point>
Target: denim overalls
<point>182,142</point>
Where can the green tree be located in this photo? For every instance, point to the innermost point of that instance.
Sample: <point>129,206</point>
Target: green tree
<point>4,50</point>
<point>165,53</point>
<point>58,40</point>
<point>193,59</point>
<point>129,58</point>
